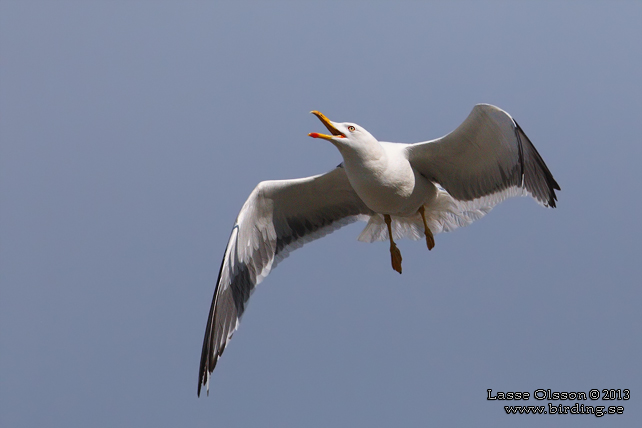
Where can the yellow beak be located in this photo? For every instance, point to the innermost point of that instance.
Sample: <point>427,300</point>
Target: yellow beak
<point>334,131</point>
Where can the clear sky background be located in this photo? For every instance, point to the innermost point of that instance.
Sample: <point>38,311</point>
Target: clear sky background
<point>132,133</point>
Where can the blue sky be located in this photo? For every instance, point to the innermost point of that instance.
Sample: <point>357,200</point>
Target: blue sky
<point>132,133</point>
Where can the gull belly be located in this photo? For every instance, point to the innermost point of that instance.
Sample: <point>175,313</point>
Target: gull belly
<point>387,183</point>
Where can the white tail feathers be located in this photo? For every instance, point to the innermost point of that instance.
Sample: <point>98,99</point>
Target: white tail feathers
<point>443,214</point>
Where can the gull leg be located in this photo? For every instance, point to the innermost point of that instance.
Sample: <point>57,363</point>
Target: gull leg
<point>395,254</point>
<point>430,240</point>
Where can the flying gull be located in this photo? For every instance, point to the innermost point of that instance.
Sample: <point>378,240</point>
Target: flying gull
<point>401,190</point>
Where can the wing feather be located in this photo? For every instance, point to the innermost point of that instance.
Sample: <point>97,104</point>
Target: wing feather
<point>278,217</point>
<point>488,153</point>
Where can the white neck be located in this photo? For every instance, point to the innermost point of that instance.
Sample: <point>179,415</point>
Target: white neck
<point>364,152</point>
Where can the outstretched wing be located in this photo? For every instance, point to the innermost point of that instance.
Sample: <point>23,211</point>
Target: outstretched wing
<point>278,217</point>
<point>488,155</point>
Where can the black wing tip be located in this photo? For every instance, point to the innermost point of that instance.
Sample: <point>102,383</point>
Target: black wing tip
<point>551,202</point>
<point>202,382</point>
<point>202,375</point>
<point>551,183</point>
<point>552,187</point>
<point>207,369</point>
<point>209,359</point>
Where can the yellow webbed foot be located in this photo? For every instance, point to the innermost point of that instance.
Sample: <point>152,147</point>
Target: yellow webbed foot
<point>430,240</point>
<point>395,256</point>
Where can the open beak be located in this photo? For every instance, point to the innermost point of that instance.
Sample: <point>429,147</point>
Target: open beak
<point>334,131</point>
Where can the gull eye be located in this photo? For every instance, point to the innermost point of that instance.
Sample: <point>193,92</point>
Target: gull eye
<point>351,128</point>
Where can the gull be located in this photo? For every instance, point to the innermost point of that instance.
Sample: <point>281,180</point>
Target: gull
<point>401,190</point>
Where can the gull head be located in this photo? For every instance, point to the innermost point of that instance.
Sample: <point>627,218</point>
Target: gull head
<point>344,135</point>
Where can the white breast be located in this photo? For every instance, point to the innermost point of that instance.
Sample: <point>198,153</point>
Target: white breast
<point>387,184</point>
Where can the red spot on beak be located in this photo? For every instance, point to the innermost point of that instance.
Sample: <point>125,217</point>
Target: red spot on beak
<point>313,134</point>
